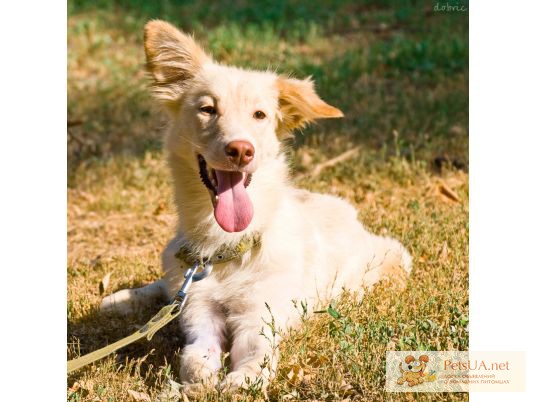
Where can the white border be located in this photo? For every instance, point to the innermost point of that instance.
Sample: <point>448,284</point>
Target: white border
<point>502,181</point>
<point>33,200</point>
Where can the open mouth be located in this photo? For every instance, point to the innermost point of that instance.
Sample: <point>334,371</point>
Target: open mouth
<point>233,208</point>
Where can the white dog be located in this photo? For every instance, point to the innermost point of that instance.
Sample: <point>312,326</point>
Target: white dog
<point>230,181</point>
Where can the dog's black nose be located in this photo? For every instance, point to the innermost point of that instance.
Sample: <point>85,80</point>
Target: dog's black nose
<point>240,152</point>
<point>409,367</point>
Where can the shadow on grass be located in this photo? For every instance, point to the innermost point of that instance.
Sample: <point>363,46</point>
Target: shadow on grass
<point>96,330</point>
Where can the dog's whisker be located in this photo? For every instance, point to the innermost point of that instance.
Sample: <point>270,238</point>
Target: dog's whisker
<point>197,146</point>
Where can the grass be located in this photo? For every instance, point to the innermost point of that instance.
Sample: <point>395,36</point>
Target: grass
<point>399,72</point>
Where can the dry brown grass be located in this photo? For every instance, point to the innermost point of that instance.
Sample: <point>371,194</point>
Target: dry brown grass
<point>118,226</point>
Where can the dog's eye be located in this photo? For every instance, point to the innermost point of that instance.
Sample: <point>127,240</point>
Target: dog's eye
<point>208,109</point>
<point>259,115</point>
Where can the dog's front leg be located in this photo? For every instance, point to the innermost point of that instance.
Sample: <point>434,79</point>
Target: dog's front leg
<point>254,356</point>
<point>200,358</point>
<point>126,301</point>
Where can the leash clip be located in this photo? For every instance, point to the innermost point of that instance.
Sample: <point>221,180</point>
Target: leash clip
<point>191,275</point>
<point>174,308</point>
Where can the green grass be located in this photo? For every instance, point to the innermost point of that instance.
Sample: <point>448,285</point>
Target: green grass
<point>398,70</point>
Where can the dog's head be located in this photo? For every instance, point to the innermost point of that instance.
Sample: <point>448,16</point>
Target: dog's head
<point>415,366</point>
<point>227,121</point>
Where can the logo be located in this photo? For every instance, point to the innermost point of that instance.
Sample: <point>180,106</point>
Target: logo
<point>454,371</point>
<point>414,372</point>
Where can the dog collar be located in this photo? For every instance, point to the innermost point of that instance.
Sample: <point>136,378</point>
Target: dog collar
<point>224,253</point>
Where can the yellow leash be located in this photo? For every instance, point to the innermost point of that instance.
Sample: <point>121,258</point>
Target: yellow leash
<point>164,316</point>
<point>174,308</point>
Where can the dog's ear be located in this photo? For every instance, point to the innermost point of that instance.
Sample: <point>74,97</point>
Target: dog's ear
<point>409,359</point>
<point>173,59</point>
<point>424,358</point>
<point>299,104</point>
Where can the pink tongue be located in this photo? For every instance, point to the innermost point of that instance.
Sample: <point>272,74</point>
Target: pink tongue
<point>234,209</point>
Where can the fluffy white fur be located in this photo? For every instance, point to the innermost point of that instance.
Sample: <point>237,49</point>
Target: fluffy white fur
<point>313,246</point>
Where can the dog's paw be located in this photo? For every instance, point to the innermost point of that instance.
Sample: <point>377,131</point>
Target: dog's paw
<point>200,375</point>
<point>197,371</point>
<point>241,379</point>
<point>119,303</point>
<point>232,382</point>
